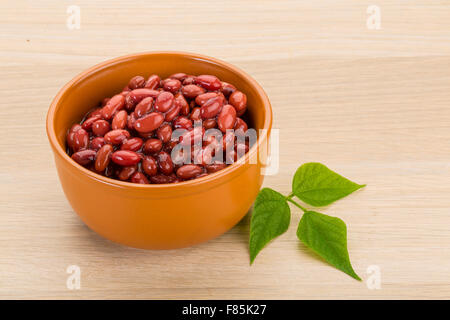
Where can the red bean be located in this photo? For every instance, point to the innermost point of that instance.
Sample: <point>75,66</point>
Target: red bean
<point>101,127</point>
<point>87,124</point>
<point>239,101</point>
<point>201,99</point>
<point>188,80</point>
<point>209,124</point>
<point>227,89</point>
<point>153,82</point>
<point>125,157</point>
<point>240,126</point>
<point>226,118</point>
<point>182,103</point>
<point>165,163</point>
<point>84,157</point>
<point>164,133</point>
<point>139,177</point>
<point>179,76</point>
<point>208,82</point>
<point>164,101</point>
<point>116,136</point>
<point>136,82</point>
<point>211,107</point>
<point>126,172</point>
<point>189,171</point>
<point>195,114</point>
<point>214,167</point>
<point>182,122</point>
<point>172,85</point>
<point>143,107</point>
<point>172,113</point>
<point>103,157</point>
<point>97,143</point>
<point>152,146</point>
<point>80,140</point>
<point>149,122</point>
<point>137,95</point>
<point>120,120</point>
<point>162,179</point>
<point>191,91</point>
<point>149,166</point>
<point>112,106</point>
<point>133,144</point>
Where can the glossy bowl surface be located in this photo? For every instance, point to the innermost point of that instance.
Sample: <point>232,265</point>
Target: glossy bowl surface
<point>157,216</point>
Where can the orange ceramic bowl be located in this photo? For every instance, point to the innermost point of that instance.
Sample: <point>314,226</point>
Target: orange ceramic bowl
<point>157,216</point>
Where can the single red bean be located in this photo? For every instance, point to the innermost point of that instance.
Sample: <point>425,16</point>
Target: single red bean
<point>188,80</point>
<point>182,122</point>
<point>133,144</point>
<point>211,108</point>
<point>137,95</point>
<point>153,82</point>
<point>84,157</point>
<point>152,146</point>
<point>143,107</point>
<point>162,179</point>
<point>226,118</point>
<point>164,101</point>
<point>214,167</point>
<point>97,143</point>
<point>139,177</point>
<point>125,157</point>
<point>103,157</point>
<point>87,124</point>
<point>120,120</point>
<point>164,133</point>
<point>172,85</point>
<point>149,122</point>
<point>126,172</point>
<point>182,103</point>
<point>179,76</point>
<point>227,88</point>
<point>195,114</point>
<point>149,166</point>
<point>201,99</point>
<point>116,136</point>
<point>240,126</point>
<point>131,120</point>
<point>100,127</point>
<point>172,113</point>
<point>165,163</point>
<point>96,112</point>
<point>115,104</point>
<point>71,134</point>
<point>239,101</point>
<point>189,171</point>
<point>146,135</point>
<point>191,91</point>
<point>80,140</point>
<point>209,124</point>
<point>208,82</point>
<point>136,82</point>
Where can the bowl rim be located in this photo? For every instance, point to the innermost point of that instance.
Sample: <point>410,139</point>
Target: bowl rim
<point>55,104</point>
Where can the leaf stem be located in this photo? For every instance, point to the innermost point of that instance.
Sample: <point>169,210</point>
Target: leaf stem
<point>289,198</point>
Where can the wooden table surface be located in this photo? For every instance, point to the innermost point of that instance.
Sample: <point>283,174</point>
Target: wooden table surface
<point>372,104</point>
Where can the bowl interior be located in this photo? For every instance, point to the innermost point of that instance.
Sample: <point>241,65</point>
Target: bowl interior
<point>106,79</point>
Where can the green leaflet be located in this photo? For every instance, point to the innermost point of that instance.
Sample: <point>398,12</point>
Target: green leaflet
<point>319,186</point>
<point>327,236</point>
<point>270,218</point>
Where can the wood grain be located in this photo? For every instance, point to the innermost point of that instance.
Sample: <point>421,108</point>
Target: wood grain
<point>371,104</point>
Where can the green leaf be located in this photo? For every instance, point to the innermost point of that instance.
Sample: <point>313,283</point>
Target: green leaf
<point>270,218</point>
<point>327,236</point>
<point>318,186</point>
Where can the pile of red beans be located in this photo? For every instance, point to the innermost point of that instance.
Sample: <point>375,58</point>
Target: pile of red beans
<point>129,137</point>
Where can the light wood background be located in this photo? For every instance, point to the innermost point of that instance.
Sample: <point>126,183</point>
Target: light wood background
<point>374,105</point>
